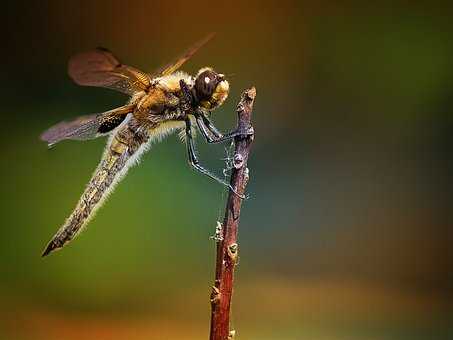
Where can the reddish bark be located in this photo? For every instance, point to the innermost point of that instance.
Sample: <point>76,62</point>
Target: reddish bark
<point>227,245</point>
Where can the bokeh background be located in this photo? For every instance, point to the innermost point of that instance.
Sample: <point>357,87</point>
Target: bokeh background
<point>348,231</point>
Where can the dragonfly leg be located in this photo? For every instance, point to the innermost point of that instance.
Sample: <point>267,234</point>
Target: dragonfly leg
<point>213,135</point>
<point>194,162</point>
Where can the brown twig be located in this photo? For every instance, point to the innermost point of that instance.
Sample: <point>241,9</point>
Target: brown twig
<point>227,246</point>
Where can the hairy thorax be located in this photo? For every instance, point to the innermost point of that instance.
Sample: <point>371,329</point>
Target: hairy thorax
<point>161,103</point>
<point>158,110</point>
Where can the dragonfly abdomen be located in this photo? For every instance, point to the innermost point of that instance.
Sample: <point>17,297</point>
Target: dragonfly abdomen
<point>121,151</point>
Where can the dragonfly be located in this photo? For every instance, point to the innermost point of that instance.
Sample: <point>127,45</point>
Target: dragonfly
<point>162,102</point>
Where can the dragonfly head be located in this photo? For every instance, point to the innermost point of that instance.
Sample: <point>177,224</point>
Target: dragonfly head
<point>211,88</point>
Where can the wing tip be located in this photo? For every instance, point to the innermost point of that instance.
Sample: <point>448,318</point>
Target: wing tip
<point>44,137</point>
<point>211,35</point>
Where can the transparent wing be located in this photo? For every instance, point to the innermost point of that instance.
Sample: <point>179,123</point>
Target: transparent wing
<point>102,69</point>
<point>176,64</point>
<point>87,127</point>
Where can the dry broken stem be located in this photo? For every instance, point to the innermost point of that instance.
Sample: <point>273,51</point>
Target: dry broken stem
<point>227,246</point>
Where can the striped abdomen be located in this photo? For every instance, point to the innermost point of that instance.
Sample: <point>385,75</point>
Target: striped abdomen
<point>122,149</point>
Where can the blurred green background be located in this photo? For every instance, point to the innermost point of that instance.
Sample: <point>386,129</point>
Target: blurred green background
<point>348,231</point>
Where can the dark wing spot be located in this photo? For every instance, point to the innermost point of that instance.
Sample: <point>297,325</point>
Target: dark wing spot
<point>111,122</point>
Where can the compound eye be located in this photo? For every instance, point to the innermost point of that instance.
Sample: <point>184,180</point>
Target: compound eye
<point>205,84</point>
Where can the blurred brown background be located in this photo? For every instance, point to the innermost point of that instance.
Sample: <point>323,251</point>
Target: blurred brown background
<point>348,230</point>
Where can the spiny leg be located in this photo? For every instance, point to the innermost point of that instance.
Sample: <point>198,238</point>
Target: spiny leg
<point>207,128</point>
<point>193,159</point>
<point>213,135</point>
<point>194,162</point>
<point>210,133</point>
